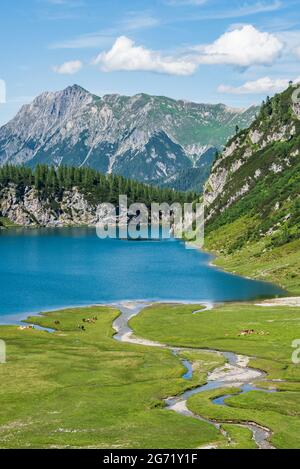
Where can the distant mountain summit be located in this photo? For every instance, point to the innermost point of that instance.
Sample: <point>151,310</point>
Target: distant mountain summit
<point>149,138</point>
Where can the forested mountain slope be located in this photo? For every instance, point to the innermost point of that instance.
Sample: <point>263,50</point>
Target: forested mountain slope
<point>69,196</point>
<point>252,196</point>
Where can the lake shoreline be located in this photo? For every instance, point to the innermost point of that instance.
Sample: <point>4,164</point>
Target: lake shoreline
<point>19,319</point>
<point>215,256</point>
<point>56,269</point>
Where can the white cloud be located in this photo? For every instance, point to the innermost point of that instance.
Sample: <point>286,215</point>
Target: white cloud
<point>125,55</point>
<point>236,11</point>
<point>68,68</point>
<point>133,21</point>
<point>249,10</point>
<point>243,46</point>
<point>262,85</point>
<point>138,20</point>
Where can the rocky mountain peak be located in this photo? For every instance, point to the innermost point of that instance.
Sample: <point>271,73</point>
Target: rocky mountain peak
<point>144,137</point>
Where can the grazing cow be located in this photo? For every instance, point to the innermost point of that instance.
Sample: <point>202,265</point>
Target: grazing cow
<point>247,332</point>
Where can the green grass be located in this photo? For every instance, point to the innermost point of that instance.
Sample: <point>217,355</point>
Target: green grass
<point>78,388</point>
<point>241,437</point>
<point>280,265</point>
<point>74,388</point>
<point>275,329</point>
<point>257,407</point>
<point>7,223</point>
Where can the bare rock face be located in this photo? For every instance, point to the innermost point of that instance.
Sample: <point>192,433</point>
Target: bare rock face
<point>228,151</point>
<point>297,110</point>
<point>73,209</point>
<point>255,136</point>
<point>215,185</point>
<point>296,101</point>
<point>243,162</point>
<point>30,209</point>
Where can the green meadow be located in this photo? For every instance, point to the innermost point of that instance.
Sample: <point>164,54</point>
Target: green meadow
<point>270,346</point>
<point>278,264</point>
<point>77,388</point>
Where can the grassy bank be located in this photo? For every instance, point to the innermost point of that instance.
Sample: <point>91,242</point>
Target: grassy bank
<point>274,328</point>
<point>75,388</point>
<point>7,223</point>
<point>256,259</point>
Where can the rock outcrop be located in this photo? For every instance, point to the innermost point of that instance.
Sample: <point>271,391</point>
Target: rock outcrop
<point>72,209</point>
<point>269,146</point>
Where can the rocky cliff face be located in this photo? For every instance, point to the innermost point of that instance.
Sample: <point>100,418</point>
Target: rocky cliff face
<point>31,210</point>
<point>264,152</point>
<point>148,138</point>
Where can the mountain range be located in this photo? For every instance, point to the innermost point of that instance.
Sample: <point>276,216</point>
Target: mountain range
<point>152,139</point>
<point>252,188</point>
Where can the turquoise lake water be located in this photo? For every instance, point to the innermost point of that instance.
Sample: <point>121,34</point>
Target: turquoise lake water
<point>45,269</point>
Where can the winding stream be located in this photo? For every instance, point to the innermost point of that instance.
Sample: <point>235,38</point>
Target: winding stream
<point>235,373</point>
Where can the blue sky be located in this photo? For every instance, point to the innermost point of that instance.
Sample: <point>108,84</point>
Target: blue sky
<point>233,52</point>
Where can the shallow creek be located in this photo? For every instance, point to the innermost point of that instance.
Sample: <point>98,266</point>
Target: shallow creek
<point>235,373</point>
